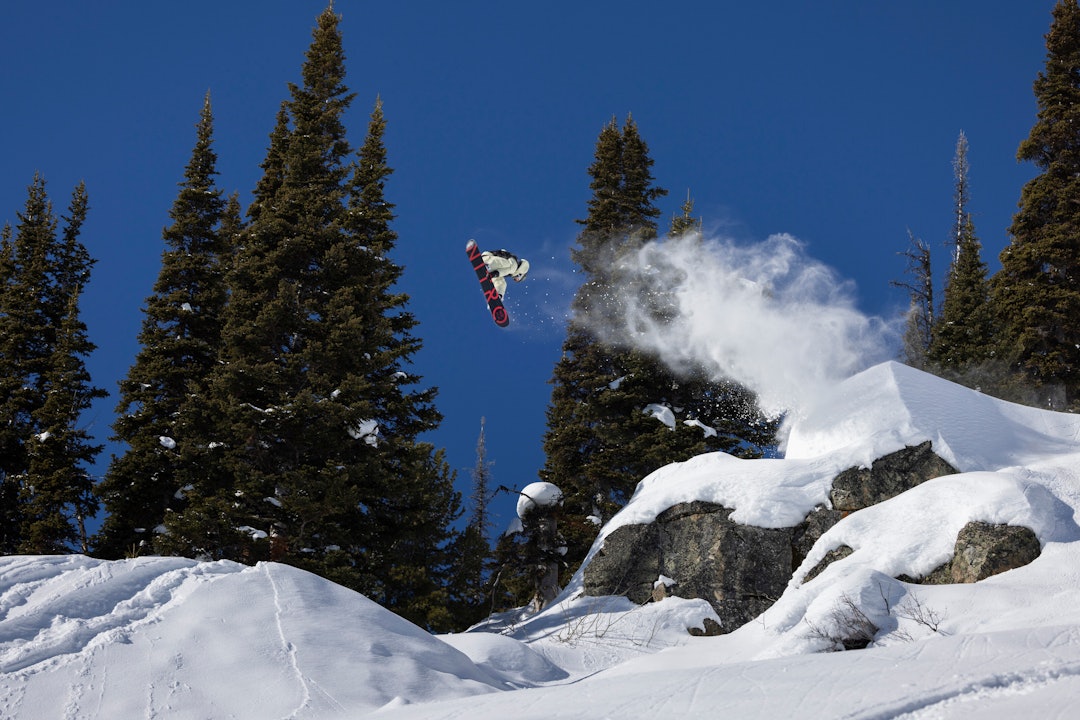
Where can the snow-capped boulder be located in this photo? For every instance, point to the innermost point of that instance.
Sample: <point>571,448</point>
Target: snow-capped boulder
<point>985,549</point>
<point>857,487</point>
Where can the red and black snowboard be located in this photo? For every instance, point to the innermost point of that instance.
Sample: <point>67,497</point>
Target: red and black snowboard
<point>494,302</point>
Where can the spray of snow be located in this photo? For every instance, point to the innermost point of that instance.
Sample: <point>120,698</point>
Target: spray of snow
<point>766,315</point>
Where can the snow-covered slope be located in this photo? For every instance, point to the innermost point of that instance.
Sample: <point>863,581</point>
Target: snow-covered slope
<point>174,638</point>
<point>891,405</point>
<point>166,637</point>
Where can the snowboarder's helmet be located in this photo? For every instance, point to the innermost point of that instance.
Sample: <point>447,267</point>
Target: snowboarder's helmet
<point>522,270</point>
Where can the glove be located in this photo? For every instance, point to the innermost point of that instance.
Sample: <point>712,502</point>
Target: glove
<point>493,273</point>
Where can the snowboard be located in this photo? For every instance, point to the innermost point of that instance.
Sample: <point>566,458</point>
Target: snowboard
<point>494,302</point>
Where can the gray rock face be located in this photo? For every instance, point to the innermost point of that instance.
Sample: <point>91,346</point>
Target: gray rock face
<point>628,564</point>
<point>983,550</point>
<point>808,532</point>
<point>832,556</point>
<point>739,569</point>
<point>887,477</point>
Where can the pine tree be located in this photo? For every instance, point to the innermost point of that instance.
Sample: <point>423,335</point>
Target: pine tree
<point>685,223</point>
<point>601,438</point>
<point>475,561</point>
<point>963,332</point>
<point>24,343</point>
<point>14,428</point>
<point>1036,294</point>
<point>315,458</point>
<point>47,490</point>
<point>62,495</point>
<point>17,350</point>
<point>961,337</point>
<point>180,341</point>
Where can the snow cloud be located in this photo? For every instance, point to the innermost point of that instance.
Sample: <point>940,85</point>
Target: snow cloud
<point>765,315</point>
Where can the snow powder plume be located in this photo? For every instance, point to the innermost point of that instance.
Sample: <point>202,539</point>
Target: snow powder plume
<point>767,316</point>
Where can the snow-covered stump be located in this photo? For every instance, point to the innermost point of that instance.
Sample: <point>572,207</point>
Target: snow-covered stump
<point>537,507</point>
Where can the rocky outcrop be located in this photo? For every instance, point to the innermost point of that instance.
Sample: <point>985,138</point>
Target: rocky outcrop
<point>808,532</point>
<point>740,569</point>
<point>983,550</point>
<point>887,477</point>
<point>838,553</point>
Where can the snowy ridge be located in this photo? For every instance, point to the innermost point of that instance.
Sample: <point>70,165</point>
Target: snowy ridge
<point>169,637</point>
<point>890,405</point>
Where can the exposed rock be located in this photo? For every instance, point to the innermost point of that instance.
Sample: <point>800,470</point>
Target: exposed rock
<point>739,569</point>
<point>810,530</point>
<point>710,628</point>
<point>627,564</point>
<point>887,477</point>
<point>983,550</point>
<point>830,557</point>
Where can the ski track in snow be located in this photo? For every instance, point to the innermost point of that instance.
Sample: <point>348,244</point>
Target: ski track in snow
<point>287,647</point>
<point>107,603</point>
<point>956,702</point>
<point>71,611</point>
<point>309,687</point>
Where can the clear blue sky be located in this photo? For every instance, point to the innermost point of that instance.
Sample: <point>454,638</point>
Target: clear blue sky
<point>835,122</point>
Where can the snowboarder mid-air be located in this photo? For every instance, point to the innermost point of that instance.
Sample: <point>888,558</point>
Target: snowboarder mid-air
<point>502,264</point>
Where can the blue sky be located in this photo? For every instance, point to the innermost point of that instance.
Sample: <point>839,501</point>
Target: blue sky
<point>835,122</point>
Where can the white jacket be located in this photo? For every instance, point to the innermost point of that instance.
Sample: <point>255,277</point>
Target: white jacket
<point>503,267</point>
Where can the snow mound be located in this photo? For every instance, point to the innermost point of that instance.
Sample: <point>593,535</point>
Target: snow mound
<point>173,637</point>
<point>513,660</point>
<point>890,405</point>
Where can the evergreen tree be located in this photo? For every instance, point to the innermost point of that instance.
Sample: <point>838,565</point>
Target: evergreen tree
<point>23,347</point>
<point>601,438</point>
<point>58,489</point>
<point>470,590</point>
<point>180,342</point>
<point>961,336</point>
<point>315,459</point>
<point>14,427</point>
<point>1036,294</point>
<point>685,223</point>
<point>46,490</point>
